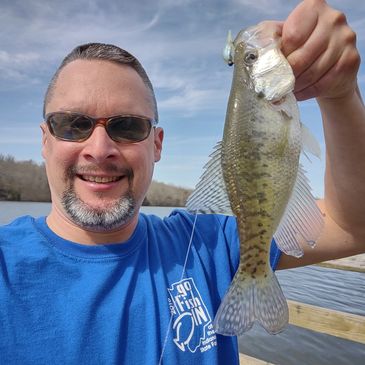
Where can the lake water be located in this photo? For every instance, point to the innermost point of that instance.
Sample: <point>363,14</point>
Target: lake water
<point>335,289</point>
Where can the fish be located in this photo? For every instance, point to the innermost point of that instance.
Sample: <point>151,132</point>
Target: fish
<point>255,174</point>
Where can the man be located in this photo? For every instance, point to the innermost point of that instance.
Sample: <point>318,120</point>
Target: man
<point>96,282</point>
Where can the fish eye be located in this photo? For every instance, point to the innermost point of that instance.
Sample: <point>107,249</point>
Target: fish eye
<point>250,57</point>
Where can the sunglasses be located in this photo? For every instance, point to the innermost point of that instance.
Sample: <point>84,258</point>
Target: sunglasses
<point>76,127</point>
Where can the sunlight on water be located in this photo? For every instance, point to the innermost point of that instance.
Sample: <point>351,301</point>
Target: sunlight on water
<point>12,210</point>
<point>335,289</point>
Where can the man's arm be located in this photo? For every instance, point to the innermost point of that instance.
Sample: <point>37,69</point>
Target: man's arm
<point>325,61</point>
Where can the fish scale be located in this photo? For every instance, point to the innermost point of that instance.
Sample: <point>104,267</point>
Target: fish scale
<point>254,150</point>
<point>254,174</point>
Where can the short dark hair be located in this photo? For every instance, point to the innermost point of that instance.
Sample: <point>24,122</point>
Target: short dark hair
<point>101,51</point>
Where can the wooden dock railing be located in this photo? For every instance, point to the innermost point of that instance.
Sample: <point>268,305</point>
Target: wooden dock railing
<point>335,323</point>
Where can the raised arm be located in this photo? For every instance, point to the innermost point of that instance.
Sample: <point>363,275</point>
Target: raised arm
<point>321,49</point>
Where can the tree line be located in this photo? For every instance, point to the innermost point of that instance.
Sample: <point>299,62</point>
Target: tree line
<point>27,181</point>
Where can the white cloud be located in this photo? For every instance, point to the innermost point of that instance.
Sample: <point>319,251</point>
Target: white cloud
<point>191,88</point>
<point>19,59</point>
<point>192,99</point>
<point>267,8</point>
<point>16,66</point>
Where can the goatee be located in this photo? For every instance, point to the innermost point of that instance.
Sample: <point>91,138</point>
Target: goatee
<point>111,217</point>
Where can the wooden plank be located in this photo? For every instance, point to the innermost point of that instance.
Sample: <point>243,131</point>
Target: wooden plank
<point>353,263</point>
<point>248,360</point>
<point>340,324</point>
<point>333,265</point>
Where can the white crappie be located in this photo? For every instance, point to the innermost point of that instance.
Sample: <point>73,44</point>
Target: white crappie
<point>255,174</point>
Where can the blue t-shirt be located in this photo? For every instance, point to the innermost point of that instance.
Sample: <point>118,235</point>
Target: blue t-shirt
<point>67,303</point>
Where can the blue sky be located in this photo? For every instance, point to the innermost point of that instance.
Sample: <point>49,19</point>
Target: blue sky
<point>180,44</point>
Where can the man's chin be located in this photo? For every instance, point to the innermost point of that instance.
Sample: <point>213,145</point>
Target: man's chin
<point>101,217</point>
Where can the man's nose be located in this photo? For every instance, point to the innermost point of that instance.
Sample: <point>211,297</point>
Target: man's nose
<point>99,146</point>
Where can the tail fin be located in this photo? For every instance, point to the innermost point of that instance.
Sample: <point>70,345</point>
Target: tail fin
<point>249,299</point>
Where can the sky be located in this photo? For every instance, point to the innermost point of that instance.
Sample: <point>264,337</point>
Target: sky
<point>180,44</point>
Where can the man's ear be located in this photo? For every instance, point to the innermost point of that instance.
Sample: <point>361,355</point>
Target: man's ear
<point>44,137</point>
<point>158,139</point>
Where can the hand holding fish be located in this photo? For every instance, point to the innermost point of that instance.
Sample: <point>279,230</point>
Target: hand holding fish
<point>320,47</point>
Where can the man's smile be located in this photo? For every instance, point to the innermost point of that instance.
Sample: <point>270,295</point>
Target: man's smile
<point>100,179</point>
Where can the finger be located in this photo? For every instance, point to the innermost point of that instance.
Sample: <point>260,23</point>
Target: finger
<point>331,25</point>
<point>305,56</point>
<point>332,84</point>
<point>341,59</point>
<point>315,59</point>
<point>298,27</point>
<point>313,90</point>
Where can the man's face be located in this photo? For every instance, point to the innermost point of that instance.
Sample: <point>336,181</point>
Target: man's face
<point>99,183</point>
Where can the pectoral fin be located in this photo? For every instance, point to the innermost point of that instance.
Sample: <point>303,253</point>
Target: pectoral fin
<point>310,143</point>
<point>302,221</point>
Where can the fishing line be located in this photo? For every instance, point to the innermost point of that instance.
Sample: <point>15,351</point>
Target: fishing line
<point>182,276</point>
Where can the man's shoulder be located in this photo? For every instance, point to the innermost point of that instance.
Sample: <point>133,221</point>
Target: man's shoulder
<point>181,218</point>
<point>17,223</point>
<point>207,230</point>
<point>18,228</point>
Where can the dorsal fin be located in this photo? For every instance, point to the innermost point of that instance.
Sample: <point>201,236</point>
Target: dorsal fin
<point>210,194</point>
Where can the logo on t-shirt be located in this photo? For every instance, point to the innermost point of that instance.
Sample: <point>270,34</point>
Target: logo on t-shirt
<point>192,326</point>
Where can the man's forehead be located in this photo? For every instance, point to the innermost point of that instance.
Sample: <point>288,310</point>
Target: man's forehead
<point>100,87</point>
<point>83,69</point>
